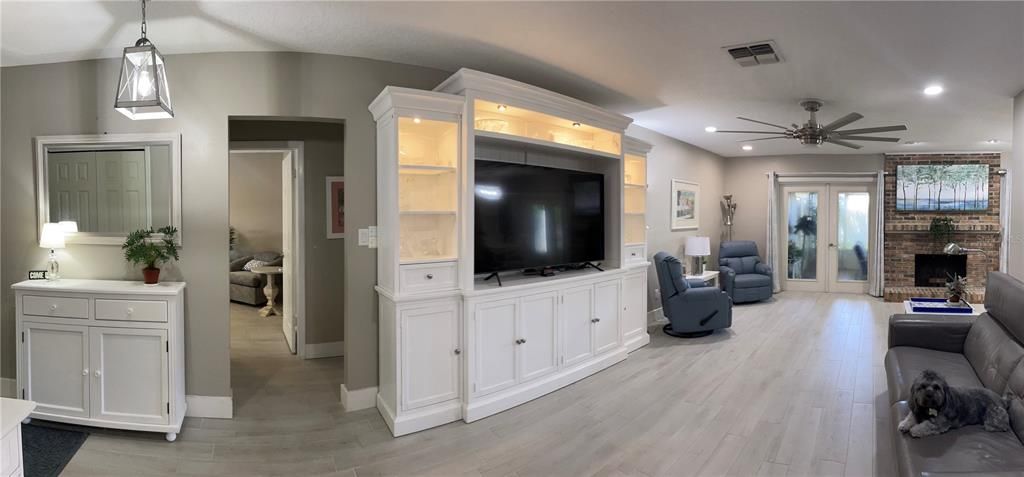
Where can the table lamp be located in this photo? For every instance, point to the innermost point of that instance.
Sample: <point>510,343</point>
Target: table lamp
<point>52,237</point>
<point>698,247</point>
<point>69,226</point>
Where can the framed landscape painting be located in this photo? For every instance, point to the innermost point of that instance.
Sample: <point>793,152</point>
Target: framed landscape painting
<point>335,207</point>
<point>947,187</point>
<point>685,205</point>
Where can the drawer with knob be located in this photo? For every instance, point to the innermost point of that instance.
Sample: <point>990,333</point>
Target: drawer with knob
<point>422,277</point>
<point>131,310</point>
<point>56,306</point>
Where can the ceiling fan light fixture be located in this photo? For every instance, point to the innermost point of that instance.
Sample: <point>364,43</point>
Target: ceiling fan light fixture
<point>911,143</point>
<point>747,147</point>
<point>992,141</point>
<point>142,89</point>
<point>933,90</point>
<point>710,129</point>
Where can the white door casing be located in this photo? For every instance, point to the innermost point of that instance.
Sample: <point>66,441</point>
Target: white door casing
<point>429,340</point>
<point>538,353</point>
<point>577,311</point>
<point>56,368</point>
<point>606,316</point>
<point>496,336</point>
<point>287,252</point>
<point>129,390</point>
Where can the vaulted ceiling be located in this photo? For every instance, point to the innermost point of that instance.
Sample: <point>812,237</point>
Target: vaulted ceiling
<point>660,63</point>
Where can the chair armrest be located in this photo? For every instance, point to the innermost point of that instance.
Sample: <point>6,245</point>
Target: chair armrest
<point>937,332</point>
<point>696,283</point>
<point>763,269</point>
<point>727,277</point>
<point>703,294</point>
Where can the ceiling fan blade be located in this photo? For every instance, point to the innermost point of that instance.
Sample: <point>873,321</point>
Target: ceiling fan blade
<point>869,138</point>
<point>844,143</point>
<point>764,139</point>
<point>752,132</point>
<point>843,121</point>
<point>762,122</point>
<point>872,130</point>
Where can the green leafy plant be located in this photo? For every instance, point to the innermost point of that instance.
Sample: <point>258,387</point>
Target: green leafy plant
<point>956,287</point>
<point>141,248</point>
<point>942,229</point>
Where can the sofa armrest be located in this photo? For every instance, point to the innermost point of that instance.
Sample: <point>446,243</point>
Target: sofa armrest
<point>696,283</point>
<point>727,276</point>
<point>937,332</point>
<point>763,269</point>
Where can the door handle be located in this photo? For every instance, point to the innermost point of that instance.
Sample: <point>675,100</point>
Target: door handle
<point>831,245</point>
<point>458,351</point>
<point>595,320</point>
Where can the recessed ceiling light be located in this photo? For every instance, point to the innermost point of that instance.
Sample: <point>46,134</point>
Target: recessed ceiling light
<point>417,120</point>
<point>933,90</point>
<point>748,147</point>
<point>993,141</point>
<point>911,143</point>
<point>710,129</point>
<point>576,125</point>
<point>502,107</point>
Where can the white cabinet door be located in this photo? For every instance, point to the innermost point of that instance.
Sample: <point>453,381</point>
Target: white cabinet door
<point>56,368</point>
<point>429,349</point>
<point>606,316</point>
<point>130,375</point>
<point>634,309</point>
<point>577,328</point>
<point>538,351</point>
<point>495,340</point>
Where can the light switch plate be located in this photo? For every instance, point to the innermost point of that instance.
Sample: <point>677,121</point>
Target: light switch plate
<point>372,239</point>
<point>364,237</point>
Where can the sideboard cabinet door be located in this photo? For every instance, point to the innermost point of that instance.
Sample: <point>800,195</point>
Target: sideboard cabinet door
<point>56,368</point>
<point>129,376</point>
<point>430,343</point>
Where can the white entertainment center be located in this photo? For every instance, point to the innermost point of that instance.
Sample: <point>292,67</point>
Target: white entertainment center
<point>453,346</point>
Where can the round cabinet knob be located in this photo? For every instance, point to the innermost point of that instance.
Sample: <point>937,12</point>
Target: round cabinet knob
<point>53,307</point>
<point>85,372</point>
<point>458,351</point>
<point>524,341</point>
<point>97,373</point>
<point>130,310</point>
<point>430,276</point>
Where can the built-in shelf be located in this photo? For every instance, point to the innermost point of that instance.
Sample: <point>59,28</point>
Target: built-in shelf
<point>428,260</point>
<point>529,125</point>
<point>424,169</point>
<point>509,138</point>
<point>427,212</point>
<point>635,186</point>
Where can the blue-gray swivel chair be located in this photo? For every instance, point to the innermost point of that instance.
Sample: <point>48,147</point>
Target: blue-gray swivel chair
<point>693,309</point>
<point>742,273</point>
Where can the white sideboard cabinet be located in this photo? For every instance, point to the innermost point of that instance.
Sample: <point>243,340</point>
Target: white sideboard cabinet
<point>103,353</point>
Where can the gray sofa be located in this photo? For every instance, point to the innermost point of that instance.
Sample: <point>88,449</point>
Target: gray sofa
<point>742,273</point>
<point>971,352</point>
<point>245,286</point>
<point>692,308</point>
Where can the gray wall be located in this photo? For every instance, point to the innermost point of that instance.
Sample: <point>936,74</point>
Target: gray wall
<point>673,159</point>
<point>745,179</point>
<point>77,98</point>
<point>323,155</point>
<point>1015,164</point>
<point>254,198</point>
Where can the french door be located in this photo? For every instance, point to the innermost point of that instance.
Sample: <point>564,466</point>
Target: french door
<point>827,236</point>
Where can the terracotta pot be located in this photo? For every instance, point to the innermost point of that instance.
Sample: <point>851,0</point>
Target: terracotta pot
<point>954,299</point>
<point>151,275</point>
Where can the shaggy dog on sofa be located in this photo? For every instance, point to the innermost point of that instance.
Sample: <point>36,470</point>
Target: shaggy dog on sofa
<point>936,407</point>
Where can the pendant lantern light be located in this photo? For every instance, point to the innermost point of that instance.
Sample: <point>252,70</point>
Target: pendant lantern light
<point>142,91</point>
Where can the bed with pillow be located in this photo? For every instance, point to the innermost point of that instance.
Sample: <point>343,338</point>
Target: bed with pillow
<point>246,286</point>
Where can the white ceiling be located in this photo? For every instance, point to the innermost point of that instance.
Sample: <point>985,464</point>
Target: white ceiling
<point>660,63</point>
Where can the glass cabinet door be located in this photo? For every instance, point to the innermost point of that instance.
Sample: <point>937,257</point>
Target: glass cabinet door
<point>635,200</point>
<point>427,189</point>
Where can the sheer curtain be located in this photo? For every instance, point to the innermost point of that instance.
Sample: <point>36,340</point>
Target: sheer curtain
<point>876,282</point>
<point>1004,221</point>
<point>772,254</point>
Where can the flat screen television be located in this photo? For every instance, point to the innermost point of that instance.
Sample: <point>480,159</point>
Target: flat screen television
<point>534,217</point>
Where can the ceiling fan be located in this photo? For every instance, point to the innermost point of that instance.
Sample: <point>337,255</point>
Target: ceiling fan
<point>813,133</point>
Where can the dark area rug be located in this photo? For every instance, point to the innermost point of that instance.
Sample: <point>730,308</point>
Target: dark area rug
<point>48,449</point>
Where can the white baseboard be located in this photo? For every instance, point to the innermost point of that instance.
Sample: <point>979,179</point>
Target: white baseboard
<point>220,407</point>
<point>358,399</point>
<point>325,350</point>
<point>8,387</point>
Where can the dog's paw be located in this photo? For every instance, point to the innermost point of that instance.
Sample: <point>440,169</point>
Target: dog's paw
<point>904,427</point>
<point>917,431</point>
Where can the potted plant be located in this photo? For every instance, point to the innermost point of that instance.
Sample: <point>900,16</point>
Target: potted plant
<point>141,249</point>
<point>942,229</point>
<point>956,287</point>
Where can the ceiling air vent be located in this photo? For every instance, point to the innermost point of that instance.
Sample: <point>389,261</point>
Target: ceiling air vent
<point>753,54</point>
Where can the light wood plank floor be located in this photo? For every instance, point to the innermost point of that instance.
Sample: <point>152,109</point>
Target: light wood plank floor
<point>796,387</point>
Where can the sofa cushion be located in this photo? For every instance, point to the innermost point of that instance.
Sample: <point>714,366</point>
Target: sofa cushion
<point>244,278</point>
<point>266,256</point>
<point>751,280</point>
<point>238,264</point>
<point>1004,300</point>
<point>1015,388</point>
<point>992,352</point>
<point>969,449</point>
<point>904,363</point>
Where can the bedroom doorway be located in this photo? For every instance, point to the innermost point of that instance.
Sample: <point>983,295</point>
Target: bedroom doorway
<point>267,265</point>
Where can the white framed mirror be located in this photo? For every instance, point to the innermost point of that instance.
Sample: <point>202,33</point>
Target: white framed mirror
<point>109,184</point>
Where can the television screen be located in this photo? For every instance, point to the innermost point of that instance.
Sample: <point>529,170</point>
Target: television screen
<point>532,217</point>
<point>949,187</point>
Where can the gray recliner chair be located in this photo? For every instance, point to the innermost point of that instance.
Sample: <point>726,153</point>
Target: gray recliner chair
<point>692,308</point>
<point>742,273</point>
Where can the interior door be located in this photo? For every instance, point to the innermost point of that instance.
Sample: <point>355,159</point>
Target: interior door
<point>538,351</point>
<point>576,314</point>
<point>606,316</point>
<point>496,342</point>
<point>804,220</point>
<point>130,380</point>
<point>288,291</point>
<point>429,339</point>
<point>56,368</point>
<point>849,241</point>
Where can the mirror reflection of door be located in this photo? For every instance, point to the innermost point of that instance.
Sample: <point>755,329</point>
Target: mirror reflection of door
<point>827,237</point>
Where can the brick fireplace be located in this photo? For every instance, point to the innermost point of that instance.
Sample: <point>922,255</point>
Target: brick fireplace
<point>910,250</point>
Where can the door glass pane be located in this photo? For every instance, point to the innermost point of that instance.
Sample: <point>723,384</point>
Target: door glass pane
<point>852,235</point>
<point>802,219</point>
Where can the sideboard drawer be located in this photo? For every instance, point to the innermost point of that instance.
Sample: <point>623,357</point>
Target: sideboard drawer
<point>55,306</point>
<point>131,310</point>
<point>427,277</point>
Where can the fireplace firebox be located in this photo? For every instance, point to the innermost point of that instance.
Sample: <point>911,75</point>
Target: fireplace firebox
<point>934,270</point>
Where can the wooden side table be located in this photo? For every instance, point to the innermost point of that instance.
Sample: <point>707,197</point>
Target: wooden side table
<point>270,290</point>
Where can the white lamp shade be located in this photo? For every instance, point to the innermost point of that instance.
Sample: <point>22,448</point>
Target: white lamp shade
<point>698,246</point>
<point>69,226</point>
<point>52,236</point>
